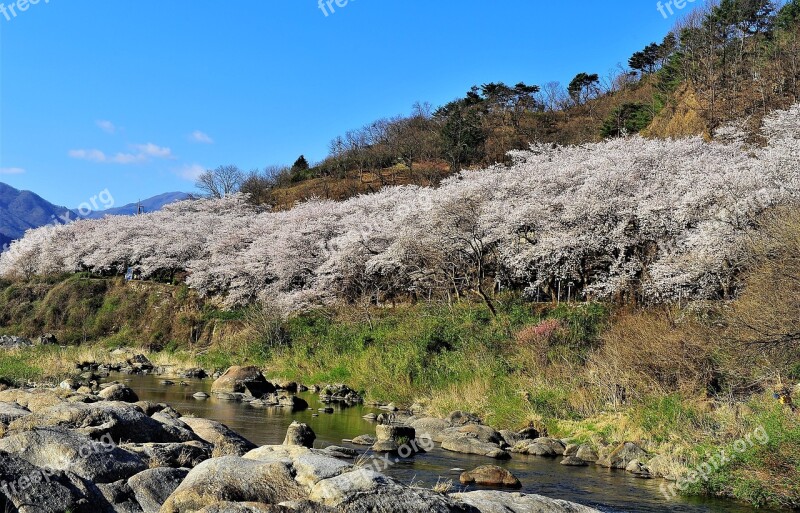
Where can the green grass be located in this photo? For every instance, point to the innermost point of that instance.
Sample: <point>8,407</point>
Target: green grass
<point>763,474</point>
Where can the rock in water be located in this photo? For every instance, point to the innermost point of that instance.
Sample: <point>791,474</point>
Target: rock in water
<point>243,380</point>
<point>392,438</point>
<point>490,475</point>
<point>119,393</point>
<point>300,434</point>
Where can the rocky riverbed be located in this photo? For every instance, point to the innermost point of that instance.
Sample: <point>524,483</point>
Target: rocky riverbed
<point>104,451</point>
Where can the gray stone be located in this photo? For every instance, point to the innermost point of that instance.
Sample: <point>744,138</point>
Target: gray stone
<point>501,502</point>
<point>300,434</point>
<point>226,442</point>
<point>234,479</point>
<point>59,449</point>
<point>152,487</point>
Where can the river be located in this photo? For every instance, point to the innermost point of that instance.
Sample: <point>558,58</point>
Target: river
<point>607,490</point>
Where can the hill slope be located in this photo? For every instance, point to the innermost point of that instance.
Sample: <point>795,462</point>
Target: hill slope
<point>23,210</point>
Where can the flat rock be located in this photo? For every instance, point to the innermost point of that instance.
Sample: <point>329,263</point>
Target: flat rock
<point>502,502</point>
<point>60,449</point>
<point>226,442</point>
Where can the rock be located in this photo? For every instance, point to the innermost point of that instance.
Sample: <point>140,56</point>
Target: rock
<point>117,497</point>
<point>119,393</point>
<point>195,373</point>
<point>152,487</point>
<point>11,342</point>
<point>574,461</point>
<point>547,447</point>
<point>466,444</point>
<point>167,382</point>
<point>225,441</point>
<point>571,450</point>
<point>170,420</point>
<point>364,440</point>
<point>35,490</point>
<point>502,502</point>
<point>60,449</point>
<point>140,363</point>
<point>48,339</point>
<point>123,421</point>
<point>289,386</point>
<point>293,402</point>
<point>201,395</point>
<point>460,418</point>
<point>234,479</point>
<point>10,412</point>
<point>482,433</point>
<point>510,438</point>
<point>300,434</point>
<point>370,417</point>
<point>529,433</point>
<point>365,491</point>
<point>490,475</point>
<point>313,468</point>
<point>638,469</point>
<point>622,456</point>
<point>68,384</point>
<point>185,455</point>
<point>586,453</point>
<point>432,428</point>
<point>392,438</point>
<point>243,380</point>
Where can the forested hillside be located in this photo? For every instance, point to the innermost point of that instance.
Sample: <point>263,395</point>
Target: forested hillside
<point>728,60</point>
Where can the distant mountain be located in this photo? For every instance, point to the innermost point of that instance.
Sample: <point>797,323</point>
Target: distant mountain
<point>149,205</point>
<point>23,210</point>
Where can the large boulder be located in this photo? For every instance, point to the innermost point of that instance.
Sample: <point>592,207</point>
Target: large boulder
<point>502,502</point>
<point>392,438</point>
<point>96,461</point>
<point>243,380</point>
<point>467,444</point>
<point>300,434</point>
<point>234,479</point>
<point>118,392</point>
<point>31,489</point>
<point>490,475</point>
<point>123,421</point>
<point>431,427</point>
<point>226,442</point>
<point>154,486</point>
<point>367,491</point>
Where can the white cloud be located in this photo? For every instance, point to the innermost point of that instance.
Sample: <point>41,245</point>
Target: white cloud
<point>106,126</point>
<point>144,152</point>
<point>191,171</point>
<point>152,150</point>
<point>11,170</point>
<point>90,155</point>
<point>201,137</point>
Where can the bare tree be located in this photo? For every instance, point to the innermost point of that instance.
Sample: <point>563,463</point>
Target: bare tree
<point>219,182</point>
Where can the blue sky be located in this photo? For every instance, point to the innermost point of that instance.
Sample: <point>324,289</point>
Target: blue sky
<point>137,96</point>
